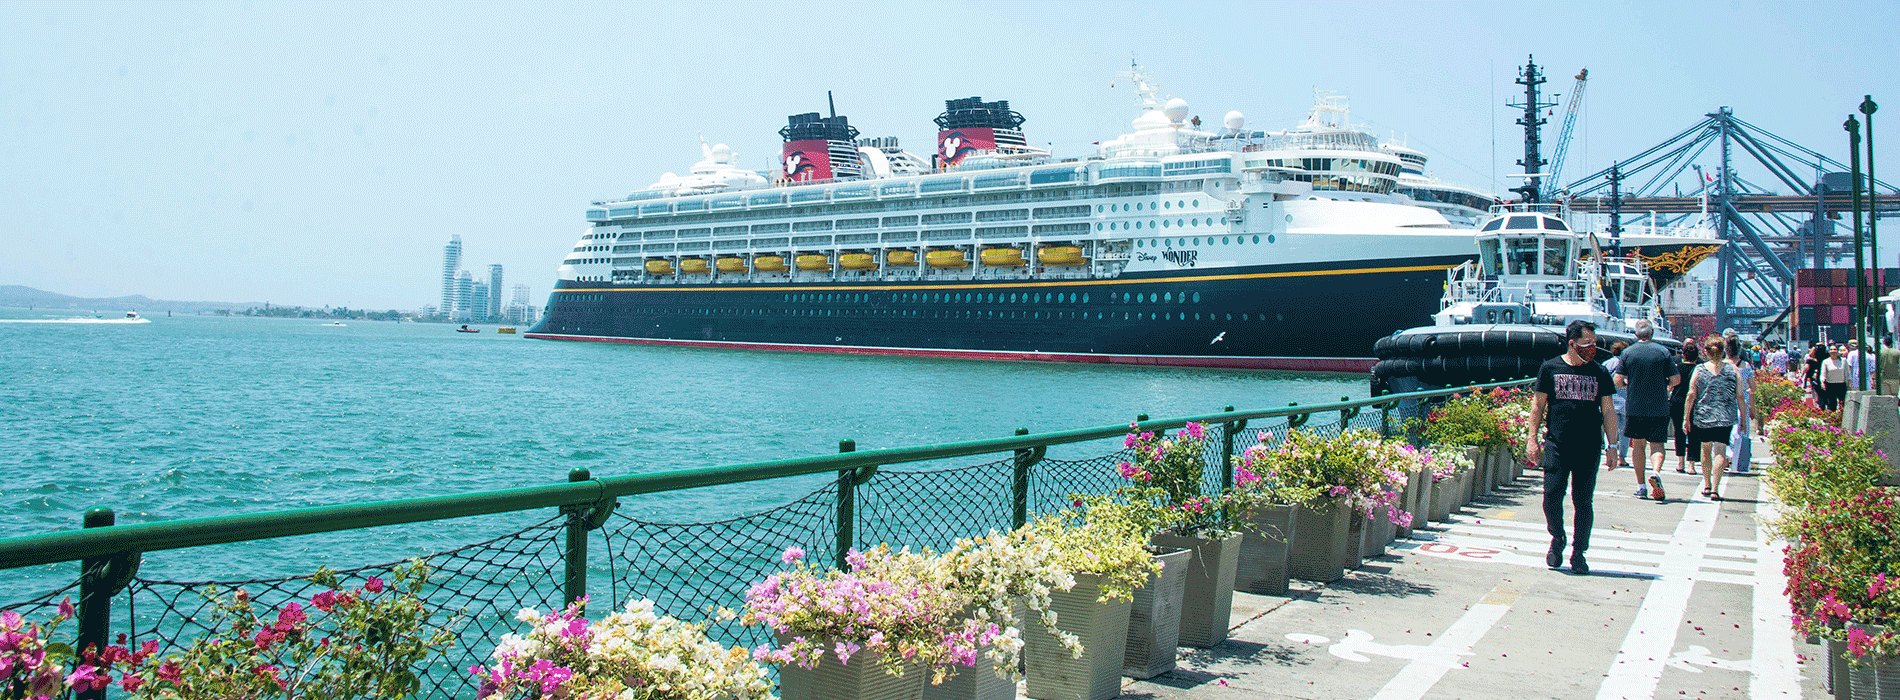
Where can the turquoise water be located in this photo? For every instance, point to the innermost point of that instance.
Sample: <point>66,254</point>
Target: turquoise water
<point>196,416</point>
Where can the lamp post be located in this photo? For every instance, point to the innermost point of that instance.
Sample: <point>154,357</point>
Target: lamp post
<point>1852,126</point>
<point>1867,109</point>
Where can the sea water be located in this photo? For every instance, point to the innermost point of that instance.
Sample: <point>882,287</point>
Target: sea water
<point>196,416</point>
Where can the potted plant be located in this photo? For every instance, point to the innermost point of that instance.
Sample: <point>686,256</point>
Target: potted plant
<point>1103,544</point>
<point>1444,465</point>
<point>1844,584</point>
<point>631,653</point>
<point>1007,577</point>
<point>1478,421</point>
<point>1269,520</point>
<point>1167,478</point>
<point>881,630</point>
<point>1339,475</point>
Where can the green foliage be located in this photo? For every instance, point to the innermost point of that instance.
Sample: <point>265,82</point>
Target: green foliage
<point>1816,462</point>
<point>1106,536</point>
<point>1770,392</point>
<point>352,643</point>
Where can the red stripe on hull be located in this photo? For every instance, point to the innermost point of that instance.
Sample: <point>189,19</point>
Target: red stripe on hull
<point>1296,364</point>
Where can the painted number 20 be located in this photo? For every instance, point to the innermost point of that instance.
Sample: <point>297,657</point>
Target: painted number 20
<point>1472,552</point>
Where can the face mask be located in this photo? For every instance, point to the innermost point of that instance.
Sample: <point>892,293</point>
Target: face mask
<point>1587,352</point>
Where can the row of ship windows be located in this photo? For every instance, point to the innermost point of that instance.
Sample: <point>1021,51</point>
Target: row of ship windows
<point>1161,224</point>
<point>1183,242</point>
<point>980,314</point>
<point>991,297</point>
<point>1105,208</point>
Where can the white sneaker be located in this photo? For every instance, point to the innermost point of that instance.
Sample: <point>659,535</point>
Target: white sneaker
<point>1642,491</point>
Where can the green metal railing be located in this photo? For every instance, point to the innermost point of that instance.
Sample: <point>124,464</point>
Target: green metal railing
<point>864,504</point>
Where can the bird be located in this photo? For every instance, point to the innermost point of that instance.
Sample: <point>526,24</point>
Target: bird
<point>1217,338</point>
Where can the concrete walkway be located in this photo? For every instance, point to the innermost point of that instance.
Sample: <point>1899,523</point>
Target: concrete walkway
<point>1683,600</point>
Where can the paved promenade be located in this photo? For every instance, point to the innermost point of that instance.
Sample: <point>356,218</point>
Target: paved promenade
<point>1683,600</point>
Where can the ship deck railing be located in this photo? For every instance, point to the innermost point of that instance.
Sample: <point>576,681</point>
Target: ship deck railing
<point>602,536</point>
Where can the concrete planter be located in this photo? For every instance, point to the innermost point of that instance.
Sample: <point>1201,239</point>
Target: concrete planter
<point>980,682</point>
<point>1872,679</point>
<point>1265,550</point>
<point>866,677</point>
<point>1053,674</point>
<point>1207,604</point>
<point>1420,506</point>
<point>1319,541</point>
<point>1442,494</point>
<point>1154,622</point>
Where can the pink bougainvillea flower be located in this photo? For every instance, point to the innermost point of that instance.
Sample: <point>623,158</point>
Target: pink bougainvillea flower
<point>373,585</point>
<point>792,554</point>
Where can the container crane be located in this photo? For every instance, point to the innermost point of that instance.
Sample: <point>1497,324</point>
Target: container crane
<point>1563,138</point>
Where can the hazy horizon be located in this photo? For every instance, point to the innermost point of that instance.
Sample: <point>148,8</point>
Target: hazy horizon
<point>323,153</point>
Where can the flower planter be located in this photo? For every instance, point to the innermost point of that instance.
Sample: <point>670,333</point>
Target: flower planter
<point>1500,465</point>
<point>866,677</point>
<point>1355,554</point>
<point>1420,506</point>
<point>1837,676</point>
<point>980,682</point>
<point>1053,673</point>
<point>1319,541</point>
<point>1873,678</point>
<point>1265,550</point>
<point>1442,494</point>
<point>1207,604</point>
<point>1154,622</point>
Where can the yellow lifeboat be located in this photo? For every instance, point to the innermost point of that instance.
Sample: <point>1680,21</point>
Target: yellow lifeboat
<point>1003,257</point>
<point>692,266</point>
<point>730,264</point>
<point>659,267</point>
<point>769,263</point>
<point>945,259</point>
<point>901,258</point>
<point>814,263</point>
<point>857,261</point>
<point>1060,255</point>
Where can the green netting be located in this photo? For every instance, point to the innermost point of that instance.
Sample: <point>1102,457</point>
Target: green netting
<point>686,568</point>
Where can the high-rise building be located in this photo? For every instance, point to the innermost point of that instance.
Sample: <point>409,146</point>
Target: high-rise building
<point>522,309</point>
<point>478,298</point>
<point>451,264</point>
<point>494,292</point>
<point>464,296</point>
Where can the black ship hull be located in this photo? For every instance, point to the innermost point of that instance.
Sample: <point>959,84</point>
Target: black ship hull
<point>1307,317</point>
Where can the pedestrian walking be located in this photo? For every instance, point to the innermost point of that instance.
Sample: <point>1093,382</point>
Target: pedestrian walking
<point>1888,365</point>
<point>1647,373</point>
<point>1571,406</point>
<point>1833,379</point>
<point>1778,360</point>
<point>1687,454</point>
<point>1713,412</point>
<point>1741,445</point>
<point>1619,400</point>
<point>1811,370</point>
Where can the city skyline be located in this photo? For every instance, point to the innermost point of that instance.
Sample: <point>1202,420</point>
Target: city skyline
<point>319,153</point>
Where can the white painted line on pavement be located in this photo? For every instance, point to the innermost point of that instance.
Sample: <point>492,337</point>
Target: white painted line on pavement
<point>1773,673</point>
<point>1460,547</point>
<point>1418,677</point>
<point>1651,640</point>
<point>1745,546</point>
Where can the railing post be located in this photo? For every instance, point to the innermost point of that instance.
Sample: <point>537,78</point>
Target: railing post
<point>100,578</point>
<point>1346,414</point>
<point>1019,490</point>
<point>1385,420</point>
<point>1297,420</point>
<point>1227,449</point>
<point>574,586</point>
<point>847,506</point>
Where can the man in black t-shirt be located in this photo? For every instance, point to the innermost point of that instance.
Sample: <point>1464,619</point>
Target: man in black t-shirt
<point>1573,393</point>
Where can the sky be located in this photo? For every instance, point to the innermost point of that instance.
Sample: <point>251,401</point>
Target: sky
<point>322,153</point>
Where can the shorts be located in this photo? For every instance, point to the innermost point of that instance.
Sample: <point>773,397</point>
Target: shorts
<point>1717,434</point>
<point>1650,428</point>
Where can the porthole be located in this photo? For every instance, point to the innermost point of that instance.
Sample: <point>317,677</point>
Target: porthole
<point>1197,202</point>
<point>1289,218</point>
<point>1197,241</point>
<point>1279,317</point>
<point>1197,315</point>
<point>1138,206</point>
<point>1167,205</point>
<point>1168,296</point>
<point>1243,316</point>
<point>1230,317</point>
<point>1085,298</point>
<point>1177,222</point>
<point>1182,243</point>
<point>1098,225</point>
<point>1139,244</point>
<point>1197,297</point>
<point>1125,208</point>
<point>1256,239</point>
<point>1164,223</point>
<point>1124,297</point>
<point>1223,240</point>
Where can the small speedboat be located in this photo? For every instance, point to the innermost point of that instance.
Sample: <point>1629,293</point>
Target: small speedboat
<point>466,329</point>
<point>334,323</point>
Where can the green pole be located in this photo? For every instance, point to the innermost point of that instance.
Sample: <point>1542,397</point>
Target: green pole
<point>1867,109</point>
<point>95,597</point>
<point>847,506</point>
<point>1852,126</point>
<point>1019,490</point>
<point>574,587</point>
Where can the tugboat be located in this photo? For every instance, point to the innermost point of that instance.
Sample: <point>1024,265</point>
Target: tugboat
<point>1505,314</point>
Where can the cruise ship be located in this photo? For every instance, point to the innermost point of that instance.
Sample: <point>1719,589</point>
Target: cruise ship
<point>1172,245</point>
